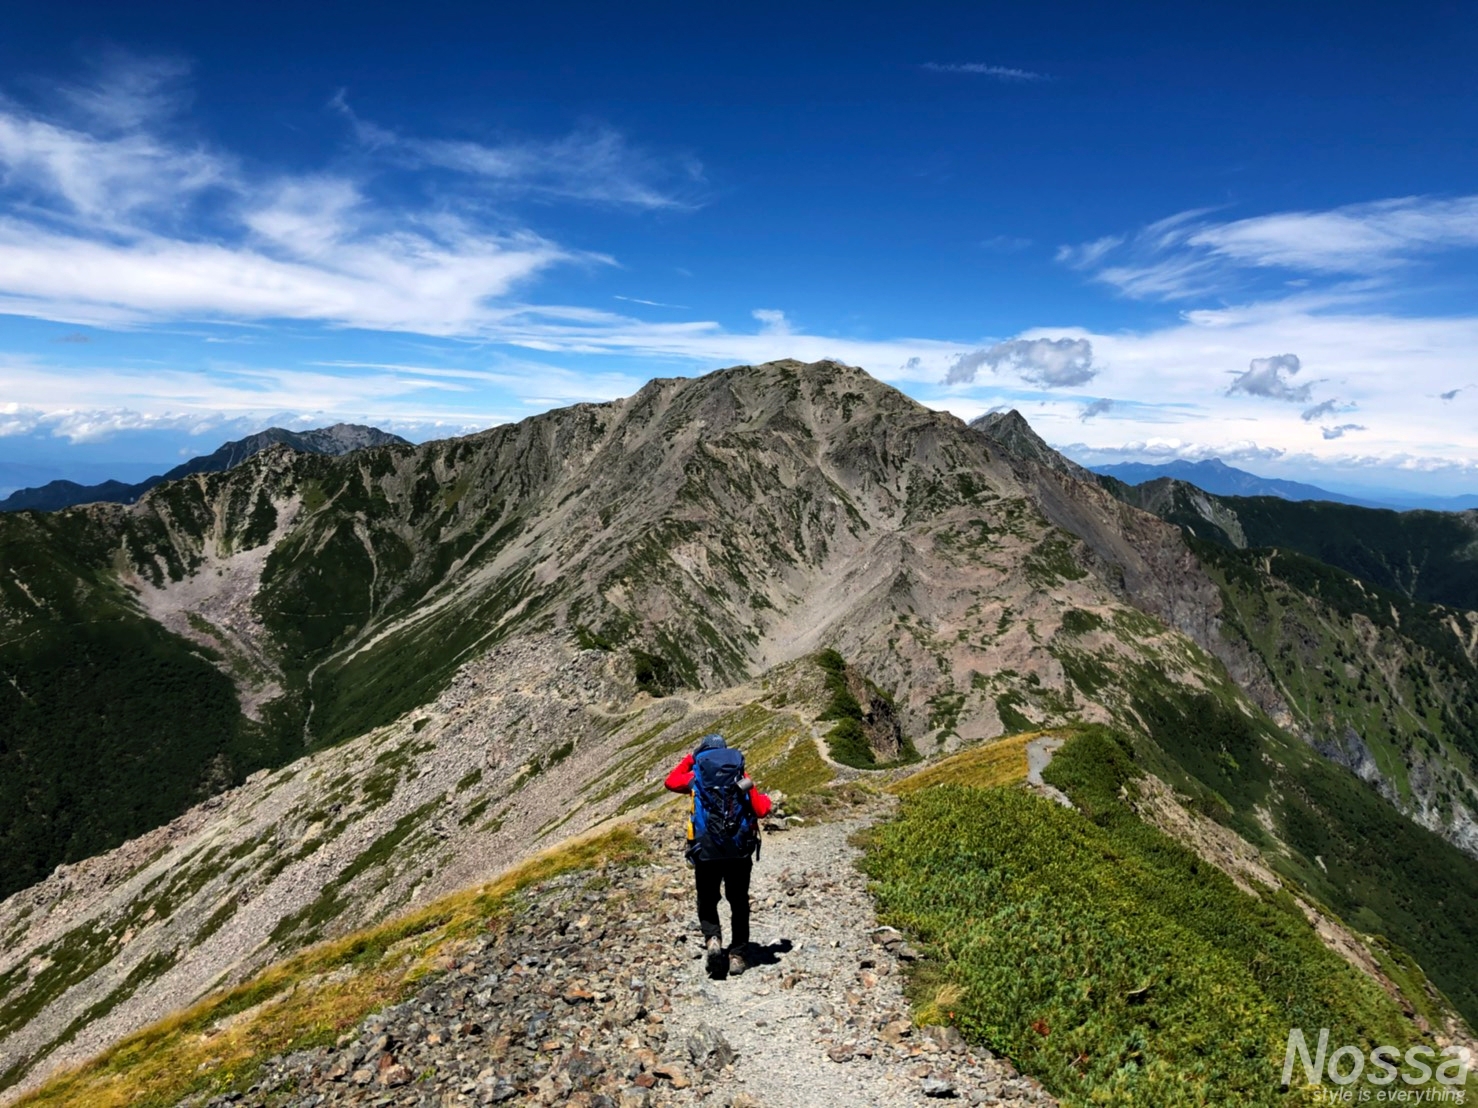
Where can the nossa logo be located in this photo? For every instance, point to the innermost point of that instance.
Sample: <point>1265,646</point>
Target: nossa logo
<point>1382,1067</point>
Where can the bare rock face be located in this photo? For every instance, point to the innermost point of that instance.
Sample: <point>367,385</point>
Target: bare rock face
<point>1016,436</point>
<point>880,721</point>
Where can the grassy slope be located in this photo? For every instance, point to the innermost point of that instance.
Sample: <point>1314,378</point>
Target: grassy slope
<point>1002,762</point>
<point>1103,957</point>
<point>1331,833</point>
<point>1347,655</point>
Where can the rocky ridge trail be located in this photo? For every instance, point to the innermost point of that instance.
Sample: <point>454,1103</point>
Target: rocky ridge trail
<point>592,993</point>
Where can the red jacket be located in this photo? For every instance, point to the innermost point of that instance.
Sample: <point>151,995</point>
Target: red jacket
<point>680,780</point>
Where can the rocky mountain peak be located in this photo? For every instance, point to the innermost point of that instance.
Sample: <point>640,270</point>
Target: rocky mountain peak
<point>1011,430</point>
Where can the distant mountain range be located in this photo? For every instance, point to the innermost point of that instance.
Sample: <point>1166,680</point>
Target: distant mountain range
<point>341,438</point>
<point>1216,477</point>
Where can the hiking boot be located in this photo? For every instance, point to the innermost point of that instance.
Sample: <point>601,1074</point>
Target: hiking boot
<point>718,961</point>
<point>737,964</point>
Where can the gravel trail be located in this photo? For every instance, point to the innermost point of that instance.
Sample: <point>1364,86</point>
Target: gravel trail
<point>592,994</point>
<point>823,1021</point>
<point>1038,754</point>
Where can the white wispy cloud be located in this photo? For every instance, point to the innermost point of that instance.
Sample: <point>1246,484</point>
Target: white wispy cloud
<point>980,69</point>
<point>43,399</point>
<point>650,303</point>
<point>113,218</point>
<point>123,90</point>
<point>772,321</point>
<point>594,164</point>
<point>1190,255</point>
<point>533,384</point>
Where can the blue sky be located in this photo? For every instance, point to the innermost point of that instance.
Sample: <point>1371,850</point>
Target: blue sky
<point>1238,230</point>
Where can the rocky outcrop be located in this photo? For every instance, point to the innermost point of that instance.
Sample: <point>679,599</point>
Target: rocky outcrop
<point>1015,434</point>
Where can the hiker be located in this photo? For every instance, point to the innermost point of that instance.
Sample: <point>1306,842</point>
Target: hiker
<point>723,837</point>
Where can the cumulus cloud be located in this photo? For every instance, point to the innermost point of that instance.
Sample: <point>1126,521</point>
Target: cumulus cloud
<point>1053,363</point>
<point>1268,377</point>
<point>1097,407</point>
<point>1171,449</point>
<point>1340,431</point>
<point>1005,73</point>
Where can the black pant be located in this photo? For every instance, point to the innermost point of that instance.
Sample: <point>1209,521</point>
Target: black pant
<point>733,874</point>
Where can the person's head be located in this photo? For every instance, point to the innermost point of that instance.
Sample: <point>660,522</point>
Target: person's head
<point>711,741</point>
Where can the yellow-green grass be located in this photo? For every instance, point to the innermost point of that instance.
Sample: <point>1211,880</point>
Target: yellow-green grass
<point>1002,762</point>
<point>311,998</point>
<point>795,772</point>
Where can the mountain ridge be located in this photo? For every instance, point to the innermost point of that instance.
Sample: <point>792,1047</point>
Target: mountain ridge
<point>555,607</point>
<point>1215,476</point>
<point>339,438</point>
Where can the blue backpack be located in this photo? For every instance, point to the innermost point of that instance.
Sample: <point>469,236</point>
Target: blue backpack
<point>724,824</point>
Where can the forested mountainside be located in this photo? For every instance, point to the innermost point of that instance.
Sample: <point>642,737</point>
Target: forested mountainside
<point>671,549</point>
<point>1215,476</point>
<point>1424,555</point>
<point>1363,619</point>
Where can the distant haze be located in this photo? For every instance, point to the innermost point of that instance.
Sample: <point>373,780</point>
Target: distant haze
<point>1217,477</point>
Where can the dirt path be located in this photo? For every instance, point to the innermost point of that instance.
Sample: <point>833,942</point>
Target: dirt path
<point>823,1020</point>
<point>1038,754</point>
